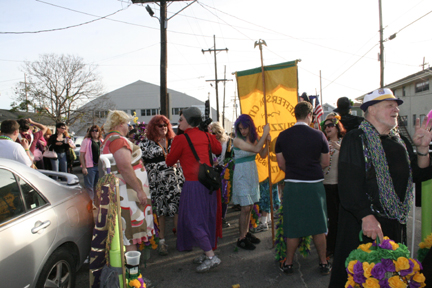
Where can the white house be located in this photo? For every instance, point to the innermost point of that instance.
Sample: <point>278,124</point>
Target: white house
<point>143,99</point>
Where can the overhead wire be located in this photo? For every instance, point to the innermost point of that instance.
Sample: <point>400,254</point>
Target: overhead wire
<point>67,27</point>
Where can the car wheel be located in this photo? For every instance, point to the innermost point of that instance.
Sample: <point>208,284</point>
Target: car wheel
<point>59,271</point>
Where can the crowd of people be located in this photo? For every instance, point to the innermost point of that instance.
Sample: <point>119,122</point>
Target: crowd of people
<point>352,174</point>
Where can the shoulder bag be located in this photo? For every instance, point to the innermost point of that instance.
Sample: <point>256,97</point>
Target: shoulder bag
<point>50,154</point>
<point>207,175</point>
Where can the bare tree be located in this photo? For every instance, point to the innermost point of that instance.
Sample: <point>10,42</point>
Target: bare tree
<point>57,86</point>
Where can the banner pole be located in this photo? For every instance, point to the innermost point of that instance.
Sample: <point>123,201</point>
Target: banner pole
<point>260,43</point>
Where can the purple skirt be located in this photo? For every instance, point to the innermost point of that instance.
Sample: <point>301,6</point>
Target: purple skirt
<point>196,218</point>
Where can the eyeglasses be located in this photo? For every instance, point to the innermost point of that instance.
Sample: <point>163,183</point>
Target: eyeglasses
<point>329,125</point>
<point>95,130</point>
<point>162,125</point>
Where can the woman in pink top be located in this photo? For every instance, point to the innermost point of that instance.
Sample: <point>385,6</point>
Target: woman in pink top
<point>89,158</point>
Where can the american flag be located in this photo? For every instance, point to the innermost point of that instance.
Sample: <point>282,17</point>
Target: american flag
<point>318,111</point>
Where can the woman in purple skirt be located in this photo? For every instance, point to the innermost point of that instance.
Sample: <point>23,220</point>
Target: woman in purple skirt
<point>197,210</point>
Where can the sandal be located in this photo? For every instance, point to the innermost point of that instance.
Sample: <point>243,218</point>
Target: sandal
<point>287,269</point>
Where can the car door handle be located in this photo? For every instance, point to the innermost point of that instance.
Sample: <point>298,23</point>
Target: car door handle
<point>40,225</point>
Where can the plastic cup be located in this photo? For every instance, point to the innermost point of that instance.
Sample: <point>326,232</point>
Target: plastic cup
<point>132,257</point>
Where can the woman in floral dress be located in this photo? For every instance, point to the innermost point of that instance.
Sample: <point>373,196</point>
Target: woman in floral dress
<point>165,182</point>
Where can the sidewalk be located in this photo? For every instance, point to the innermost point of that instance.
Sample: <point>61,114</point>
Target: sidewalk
<point>256,268</point>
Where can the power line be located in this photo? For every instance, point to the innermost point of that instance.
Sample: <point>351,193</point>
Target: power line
<point>63,28</point>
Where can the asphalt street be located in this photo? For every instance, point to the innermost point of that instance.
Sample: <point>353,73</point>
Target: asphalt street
<point>256,268</point>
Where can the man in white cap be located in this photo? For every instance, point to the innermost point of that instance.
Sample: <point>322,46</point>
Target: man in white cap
<point>376,171</point>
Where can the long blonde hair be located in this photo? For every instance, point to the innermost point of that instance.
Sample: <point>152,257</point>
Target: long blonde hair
<point>217,128</point>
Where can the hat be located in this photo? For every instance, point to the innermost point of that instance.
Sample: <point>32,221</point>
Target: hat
<point>378,96</point>
<point>343,105</point>
<point>190,114</point>
<point>305,97</point>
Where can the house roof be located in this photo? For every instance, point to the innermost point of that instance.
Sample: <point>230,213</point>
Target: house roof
<point>16,115</point>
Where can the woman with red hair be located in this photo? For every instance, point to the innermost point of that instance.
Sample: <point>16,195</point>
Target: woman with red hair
<point>165,182</point>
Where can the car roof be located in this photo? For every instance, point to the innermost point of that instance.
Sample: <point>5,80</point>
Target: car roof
<point>50,188</point>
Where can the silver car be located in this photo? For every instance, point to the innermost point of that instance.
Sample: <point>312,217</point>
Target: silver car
<point>45,227</point>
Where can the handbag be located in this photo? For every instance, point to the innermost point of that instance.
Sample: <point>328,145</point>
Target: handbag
<point>50,154</point>
<point>207,175</point>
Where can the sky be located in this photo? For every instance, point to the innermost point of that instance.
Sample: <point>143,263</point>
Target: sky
<point>336,39</point>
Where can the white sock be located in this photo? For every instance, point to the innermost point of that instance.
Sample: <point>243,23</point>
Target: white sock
<point>263,219</point>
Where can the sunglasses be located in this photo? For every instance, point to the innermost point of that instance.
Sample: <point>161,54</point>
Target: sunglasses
<point>330,125</point>
<point>95,130</point>
<point>162,125</point>
<point>62,128</point>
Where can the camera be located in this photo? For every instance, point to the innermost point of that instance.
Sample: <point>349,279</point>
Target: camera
<point>204,124</point>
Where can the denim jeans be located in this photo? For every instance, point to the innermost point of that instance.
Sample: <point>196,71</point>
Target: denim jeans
<point>60,162</point>
<point>90,180</point>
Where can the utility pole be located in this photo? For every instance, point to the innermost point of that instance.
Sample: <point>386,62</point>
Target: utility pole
<point>214,50</point>
<point>424,64</point>
<point>223,105</point>
<point>163,20</point>
<point>381,55</point>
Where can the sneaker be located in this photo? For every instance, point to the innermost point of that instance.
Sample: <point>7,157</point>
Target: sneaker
<point>260,228</point>
<point>163,249</point>
<point>287,269</point>
<point>325,269</point>
<point>208,264</point>
<point>225,224</point>
<point>200,259</point>
<point>252,238</point>
<point>246,244</point>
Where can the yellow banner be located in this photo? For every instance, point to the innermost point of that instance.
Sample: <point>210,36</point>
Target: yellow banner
<point>281,98</point>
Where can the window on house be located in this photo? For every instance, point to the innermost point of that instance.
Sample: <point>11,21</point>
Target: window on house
<point>422,116</point>
<point>403,121</point>
<point>133,111</point>
<point>153,112</point>
<point>143,112</point>
<point>403,91</point>
<point>414,119</point>
<point>148,112</point>
<point>422,86</point>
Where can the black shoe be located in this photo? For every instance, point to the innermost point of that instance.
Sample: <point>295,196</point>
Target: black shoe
<point>325,269</point>
<point>287,269</point>
<point>245,244</point>
<point>252,238</point>
<point>225,224</point>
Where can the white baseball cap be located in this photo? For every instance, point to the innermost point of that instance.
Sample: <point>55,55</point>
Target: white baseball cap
<point>379,95</point>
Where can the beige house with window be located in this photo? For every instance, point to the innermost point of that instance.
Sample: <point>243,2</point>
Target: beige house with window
<point>415,91</point>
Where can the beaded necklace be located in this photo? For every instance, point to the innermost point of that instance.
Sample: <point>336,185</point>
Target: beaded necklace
<point>331,157</point>
<point>5,137</point>
<point>375,156</point>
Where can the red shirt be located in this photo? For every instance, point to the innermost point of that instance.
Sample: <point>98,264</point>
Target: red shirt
<point>180,150</point>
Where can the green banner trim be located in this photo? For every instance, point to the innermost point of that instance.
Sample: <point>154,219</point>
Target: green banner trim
<point>266,68</point>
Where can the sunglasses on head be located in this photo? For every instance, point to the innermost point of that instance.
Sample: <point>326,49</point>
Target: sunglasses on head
<point>95,130</point>
<point>162,125</point>
<point>329,125</point>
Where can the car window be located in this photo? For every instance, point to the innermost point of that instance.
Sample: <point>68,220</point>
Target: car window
<point>11,203</point>
<point>32,198</point>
